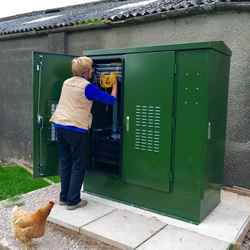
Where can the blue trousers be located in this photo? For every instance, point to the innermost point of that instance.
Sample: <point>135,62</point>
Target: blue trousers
<point>73,160</point>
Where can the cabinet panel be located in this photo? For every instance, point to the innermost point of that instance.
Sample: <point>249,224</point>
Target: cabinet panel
<point>49,72</point>
<point>148,100</point>
<point>192,127</point>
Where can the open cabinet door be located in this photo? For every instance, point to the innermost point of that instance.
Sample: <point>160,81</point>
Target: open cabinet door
<point>49,72</point>
<point>148,117</point>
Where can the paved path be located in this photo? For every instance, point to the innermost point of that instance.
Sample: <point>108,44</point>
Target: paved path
<point>109,225</point>
<point>128,227</point>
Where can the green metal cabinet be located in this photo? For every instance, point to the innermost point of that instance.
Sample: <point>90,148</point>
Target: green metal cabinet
<point>167,151</point>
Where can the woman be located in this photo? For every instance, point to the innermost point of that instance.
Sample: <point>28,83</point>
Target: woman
<point>72,120</point>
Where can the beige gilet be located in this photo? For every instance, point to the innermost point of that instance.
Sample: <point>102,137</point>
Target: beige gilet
<point>73,109</point>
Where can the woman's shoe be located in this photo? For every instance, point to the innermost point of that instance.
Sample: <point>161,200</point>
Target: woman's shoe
<point>82,203</point>
<point>62,203</point>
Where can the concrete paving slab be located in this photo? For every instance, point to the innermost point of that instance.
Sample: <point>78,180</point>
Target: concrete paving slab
<point>123,229</point>
<point>226,222</point>
<point>174,238</point>
<point>233,199</point>
<point>129,227</point>
<point>79,217</point>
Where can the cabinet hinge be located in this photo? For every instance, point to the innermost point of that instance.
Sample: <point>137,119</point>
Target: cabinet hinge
<point>40,169</point>
<point>173,122</point>
<point>175,69</point>
<point>171,181</point>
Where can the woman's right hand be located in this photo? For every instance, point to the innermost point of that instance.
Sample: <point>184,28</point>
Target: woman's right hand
<point>114,89</point>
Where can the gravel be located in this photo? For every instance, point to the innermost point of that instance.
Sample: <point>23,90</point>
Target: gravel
<point>246,242</point>
<point>55,237</point>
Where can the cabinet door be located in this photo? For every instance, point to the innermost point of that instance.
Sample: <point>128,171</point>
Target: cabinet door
<point>148,110</point>
<point>49,72</point>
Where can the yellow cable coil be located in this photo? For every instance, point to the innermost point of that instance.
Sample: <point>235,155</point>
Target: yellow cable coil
<point>107,81</point>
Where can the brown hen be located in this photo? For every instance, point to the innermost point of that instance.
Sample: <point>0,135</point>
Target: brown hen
<point>26,225</point>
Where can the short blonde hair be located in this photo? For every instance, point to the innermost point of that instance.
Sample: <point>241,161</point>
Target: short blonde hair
<point>80,64</point>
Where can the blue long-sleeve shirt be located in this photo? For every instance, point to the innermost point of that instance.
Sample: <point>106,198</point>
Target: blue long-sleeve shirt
<point>92,93</point>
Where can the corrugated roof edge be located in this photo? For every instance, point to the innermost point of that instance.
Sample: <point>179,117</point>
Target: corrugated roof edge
<point>216,45</point>
<point>196,10</point>
<point>45,11</point>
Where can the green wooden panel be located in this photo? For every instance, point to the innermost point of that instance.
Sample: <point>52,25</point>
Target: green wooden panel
<point>148,99</point>
<point>49,72</point>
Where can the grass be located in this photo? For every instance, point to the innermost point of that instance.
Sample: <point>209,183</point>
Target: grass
<point>15,181</point>
<point>55,179</point>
